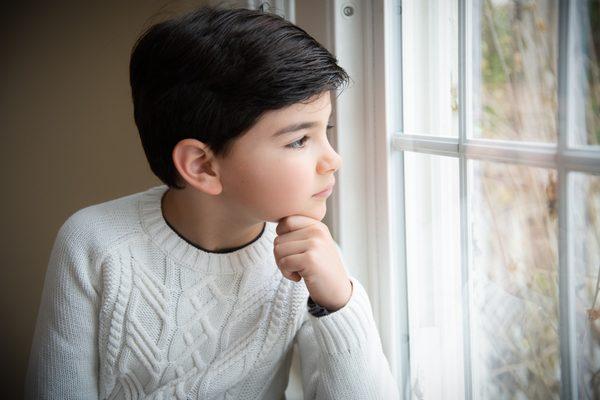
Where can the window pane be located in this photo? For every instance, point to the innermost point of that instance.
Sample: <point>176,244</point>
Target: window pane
<point>515,70</point>
<point>430,67</point>
<point>586,88</point>
<point>515,347</point>
<point>585,245</point>
<point>434,276</point>
<point>592,35</point>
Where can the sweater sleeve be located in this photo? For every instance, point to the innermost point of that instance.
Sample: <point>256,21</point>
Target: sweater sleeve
<point>63,363</point>
<point>341,356</point>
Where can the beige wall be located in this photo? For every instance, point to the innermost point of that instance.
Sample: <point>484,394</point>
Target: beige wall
<point>68,136</point>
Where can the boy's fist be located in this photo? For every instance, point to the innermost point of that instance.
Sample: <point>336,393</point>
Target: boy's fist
<point>305,249</point>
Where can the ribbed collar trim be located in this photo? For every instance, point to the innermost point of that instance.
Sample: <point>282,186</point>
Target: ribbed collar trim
<point>257,254</point>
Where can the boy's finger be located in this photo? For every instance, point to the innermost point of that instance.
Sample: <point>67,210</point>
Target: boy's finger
<point>296,277</point>
<point>293,223</point>
<point>291,236</point>
<point>292,263</point>
<point>286,249</point>
<point>292,276</point>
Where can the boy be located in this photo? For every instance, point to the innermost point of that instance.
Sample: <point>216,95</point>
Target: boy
<point>199,288</point>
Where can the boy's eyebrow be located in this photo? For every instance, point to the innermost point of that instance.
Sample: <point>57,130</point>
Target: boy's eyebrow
<point>295,127</point>
<point>298,127</point>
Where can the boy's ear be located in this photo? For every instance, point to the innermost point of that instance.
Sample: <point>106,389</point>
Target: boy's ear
<point>197,166</point>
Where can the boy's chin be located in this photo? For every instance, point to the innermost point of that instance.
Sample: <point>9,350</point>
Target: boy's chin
<point>317,214</point>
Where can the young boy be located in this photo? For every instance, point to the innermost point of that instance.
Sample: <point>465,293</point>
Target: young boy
<point>199,288</point>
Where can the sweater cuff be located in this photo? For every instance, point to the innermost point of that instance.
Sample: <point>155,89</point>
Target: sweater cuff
<point>348,329</point>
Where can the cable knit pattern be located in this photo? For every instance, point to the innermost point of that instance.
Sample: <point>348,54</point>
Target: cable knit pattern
<point>131,310</point>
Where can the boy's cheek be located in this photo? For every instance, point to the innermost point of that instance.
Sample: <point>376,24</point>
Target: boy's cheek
<point>279,201</point>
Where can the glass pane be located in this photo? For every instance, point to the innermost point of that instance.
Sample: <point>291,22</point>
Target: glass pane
<point>430,67</point>
<point>434,276</point>
<point>515,70</point>
<point>592,109</point>
<point>586,89</point>
<point>515,349</point>
<point>585,249</point>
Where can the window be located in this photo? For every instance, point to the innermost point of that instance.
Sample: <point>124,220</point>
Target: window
<point>499,142</point>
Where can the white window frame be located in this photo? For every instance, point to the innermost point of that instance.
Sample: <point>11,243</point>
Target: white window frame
<point>369,211</point>
<point>366,204</point>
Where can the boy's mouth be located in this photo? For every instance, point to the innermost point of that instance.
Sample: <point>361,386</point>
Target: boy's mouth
<point>325,192</point>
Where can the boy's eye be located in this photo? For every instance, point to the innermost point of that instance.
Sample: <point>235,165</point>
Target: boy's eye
<point>299,144</point>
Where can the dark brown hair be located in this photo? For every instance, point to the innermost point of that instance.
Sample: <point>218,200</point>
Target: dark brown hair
<point>210,75</point>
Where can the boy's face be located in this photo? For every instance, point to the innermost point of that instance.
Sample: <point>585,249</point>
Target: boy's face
<point>270,176</point>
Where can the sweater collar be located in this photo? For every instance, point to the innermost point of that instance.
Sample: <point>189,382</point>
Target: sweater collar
<point>256,254</point>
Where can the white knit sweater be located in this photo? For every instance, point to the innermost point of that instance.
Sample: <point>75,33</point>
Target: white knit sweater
<point>131,310</point>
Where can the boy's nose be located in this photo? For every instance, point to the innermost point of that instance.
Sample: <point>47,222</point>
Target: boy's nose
<point>331,161</point>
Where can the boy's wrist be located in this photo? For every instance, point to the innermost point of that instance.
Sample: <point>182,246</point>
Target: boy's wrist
<point>316,309</point>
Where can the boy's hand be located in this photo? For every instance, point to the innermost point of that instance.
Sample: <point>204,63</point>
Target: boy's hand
<point>305,249</point>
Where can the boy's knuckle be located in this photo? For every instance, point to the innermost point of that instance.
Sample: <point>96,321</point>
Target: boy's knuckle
<point>320,230</point>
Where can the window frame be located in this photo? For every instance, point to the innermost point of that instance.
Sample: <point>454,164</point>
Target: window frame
<point>368,45</point>
<point>365,118</point>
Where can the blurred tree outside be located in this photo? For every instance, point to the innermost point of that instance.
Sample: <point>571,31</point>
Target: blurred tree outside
<point>516,208</point>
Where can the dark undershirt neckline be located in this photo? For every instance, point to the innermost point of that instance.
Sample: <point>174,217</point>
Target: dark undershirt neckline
<point>222,251</point>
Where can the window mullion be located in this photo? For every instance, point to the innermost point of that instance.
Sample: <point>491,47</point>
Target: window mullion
<point>441,146</point>
<point>464,236</point>
<point>579,159</point>
<point>568,354</point>
<point>537,155</point>
<point>394,113</point>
